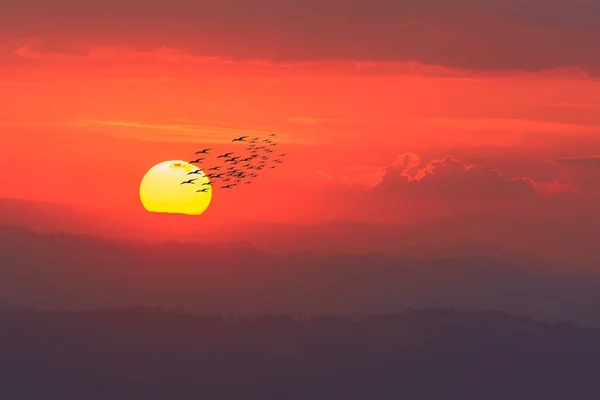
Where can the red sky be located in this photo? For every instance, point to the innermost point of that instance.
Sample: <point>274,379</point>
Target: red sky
<point>389,110</point>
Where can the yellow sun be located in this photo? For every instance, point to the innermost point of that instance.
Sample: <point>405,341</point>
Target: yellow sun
<point>162,190</point>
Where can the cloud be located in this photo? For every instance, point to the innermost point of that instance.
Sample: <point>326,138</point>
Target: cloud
<point>450,178</point>
<point>578,162</point>
<point>582,173</point>
<point>494,35</point>
<point>442,187</point>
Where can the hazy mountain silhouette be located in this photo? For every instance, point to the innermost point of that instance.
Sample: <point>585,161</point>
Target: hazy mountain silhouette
<point>147,353</point>
<point>61,271</point>
<point>570,240</point>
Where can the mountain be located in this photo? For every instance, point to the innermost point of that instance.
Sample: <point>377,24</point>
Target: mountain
<point>149,353</point>
<point>63,271</point>
<point>558,241</point>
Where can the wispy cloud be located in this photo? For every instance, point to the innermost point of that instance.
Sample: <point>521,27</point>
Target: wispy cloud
<point>178,132</point>
<point>574,105</point>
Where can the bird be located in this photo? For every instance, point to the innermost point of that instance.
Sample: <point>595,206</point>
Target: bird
<point>195,172</point>
<point>240,139</point>
<point>217,176</point>
<point>277,161</point>
<point>214,168</point>
<point>232,160</point>
<point>204,151</point>
<point>228,186</point>
<point>207,184</point>
<point>247,182</point>
<point>202,190</point>
<point>282,155</point>
<point>196,161</point>
<point>272,134</point>
<point>226,155</point>
<point>191,181</point>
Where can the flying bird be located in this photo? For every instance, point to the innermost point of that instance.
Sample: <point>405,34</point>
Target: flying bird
<point>272,134</point>
<point>204,151</point>
<point>202,190</point>
<point>191,181</point>
<point>240,139</point>
<point>196,161</point>
<point>231,185</point>
<point>214,168</point>
<point>195,172</point>
<point>226,155</point>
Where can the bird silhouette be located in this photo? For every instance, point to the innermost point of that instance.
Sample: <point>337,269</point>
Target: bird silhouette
<point>207,184</point>
<point>196,161</point>
<point>226,155</point>
<point>231,185</point>
<point>190,181</point>
<point>196,172</point>
<point>202,190</point>
<point>240,139</point>
<point>204,151</point>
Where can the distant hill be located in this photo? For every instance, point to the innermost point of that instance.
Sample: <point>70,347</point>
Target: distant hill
<point>62,271</point>
<point>570,240</point>
<point>148,353</point>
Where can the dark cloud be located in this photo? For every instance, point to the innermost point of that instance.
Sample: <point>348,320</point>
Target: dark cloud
<point>449,178</point>
<point>582,173</point>
<point>578,162</point>
<point>415,189</point>
<point>527,35</point>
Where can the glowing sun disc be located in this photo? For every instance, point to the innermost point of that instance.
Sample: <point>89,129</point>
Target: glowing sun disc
<point>161,190</point>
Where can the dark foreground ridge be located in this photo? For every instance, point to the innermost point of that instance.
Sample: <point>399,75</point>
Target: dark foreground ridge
<point>148,353</point>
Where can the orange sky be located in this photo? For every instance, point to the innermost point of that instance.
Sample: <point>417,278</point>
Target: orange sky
<point>77,104</point>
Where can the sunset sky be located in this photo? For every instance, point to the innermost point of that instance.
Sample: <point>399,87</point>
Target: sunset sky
<point>389,110</point>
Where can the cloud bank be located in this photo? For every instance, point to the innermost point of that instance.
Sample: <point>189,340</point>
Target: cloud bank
<point>495,35</point>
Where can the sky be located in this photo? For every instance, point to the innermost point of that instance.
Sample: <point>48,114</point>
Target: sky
<point>390,111</point>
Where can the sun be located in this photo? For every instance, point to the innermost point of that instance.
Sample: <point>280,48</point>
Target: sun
<point>161,190</point>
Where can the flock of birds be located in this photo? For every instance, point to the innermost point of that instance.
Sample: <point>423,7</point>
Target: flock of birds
<point>237,168</point>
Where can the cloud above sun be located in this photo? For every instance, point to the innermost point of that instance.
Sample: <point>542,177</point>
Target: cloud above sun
<point>494,35</point>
